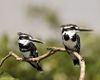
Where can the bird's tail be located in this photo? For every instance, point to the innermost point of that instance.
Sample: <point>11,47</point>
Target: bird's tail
<point>75,59</point>
<point>36,66</point>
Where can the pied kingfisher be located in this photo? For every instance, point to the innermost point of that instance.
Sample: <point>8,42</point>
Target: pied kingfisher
<point>29,49</point>
<point>71,39</point>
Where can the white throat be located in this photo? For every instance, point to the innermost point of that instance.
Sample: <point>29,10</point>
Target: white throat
<point>24,41</point>
<point>70,33</point>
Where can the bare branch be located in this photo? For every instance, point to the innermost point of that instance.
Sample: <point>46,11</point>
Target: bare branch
<point>3,59</point>
<point>82,66</point>
<point>54,50</point>
<point>9,55</point>
<point>16,56</point>
<point>51,51</point>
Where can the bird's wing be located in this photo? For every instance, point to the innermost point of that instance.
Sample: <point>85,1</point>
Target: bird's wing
<point>78,44</point>
<point>33,50</point>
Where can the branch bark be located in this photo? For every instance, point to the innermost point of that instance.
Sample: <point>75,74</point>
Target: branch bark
<point>82,65</point>
<point>3,59</point>
<point>9,55</point>
<point>51,51</point>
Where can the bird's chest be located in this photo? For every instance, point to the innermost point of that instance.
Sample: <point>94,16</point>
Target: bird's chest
<point>70,44</point>
<point>26,54</point>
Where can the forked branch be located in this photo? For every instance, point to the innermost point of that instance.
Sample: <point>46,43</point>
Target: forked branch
<point>51,51</point>
<point>9,55</point>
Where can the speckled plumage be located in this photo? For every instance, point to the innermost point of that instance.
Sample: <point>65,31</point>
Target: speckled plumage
<point>71,40</point>
<point>28,49</point>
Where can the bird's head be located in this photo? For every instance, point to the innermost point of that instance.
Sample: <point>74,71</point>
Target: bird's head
<point>71,29</point>
<point>24,36</point>
<point>28,37</point>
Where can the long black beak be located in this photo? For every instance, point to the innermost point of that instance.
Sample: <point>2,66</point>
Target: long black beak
<point>85,30</point>
<point>38,41</point>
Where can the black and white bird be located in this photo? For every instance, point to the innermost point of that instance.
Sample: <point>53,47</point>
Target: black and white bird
<point>71,39</point>
<point>28,48</point>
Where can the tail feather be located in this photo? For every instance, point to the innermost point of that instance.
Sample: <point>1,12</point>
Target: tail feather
<point>39,68</point>
<point>36,66</point>
<point>76,61</point>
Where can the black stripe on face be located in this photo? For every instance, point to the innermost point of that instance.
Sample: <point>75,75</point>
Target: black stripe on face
<point>68,29</point>
<point>72,28</point>
<point>63,30</point>
<point>23,37</point>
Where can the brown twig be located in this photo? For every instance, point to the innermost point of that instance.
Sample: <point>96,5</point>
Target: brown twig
<point>82,66</point>
<point>16,56</point>
<point>81,60</point>
<point>3,59</point>
<point>9,55</point>
<point>51,51</point>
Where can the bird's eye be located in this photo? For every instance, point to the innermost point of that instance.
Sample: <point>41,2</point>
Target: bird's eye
<point>20,37</point>
<point>26,37</point>
<point>72,28</point>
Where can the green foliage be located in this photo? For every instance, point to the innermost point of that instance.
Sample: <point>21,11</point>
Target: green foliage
<point>6,76</point>
<point>55,67</point>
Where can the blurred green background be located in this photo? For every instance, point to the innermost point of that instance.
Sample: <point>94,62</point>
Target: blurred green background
<point>56,67</point>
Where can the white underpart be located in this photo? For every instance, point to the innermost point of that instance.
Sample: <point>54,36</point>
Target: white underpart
<point>70,44</point>
<point>70,33</point>
<point>24,41</point>
<point>26,54</point>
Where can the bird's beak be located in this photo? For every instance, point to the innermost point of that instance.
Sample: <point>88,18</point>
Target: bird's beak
<point>38,41</point>
<point>85,30</point>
